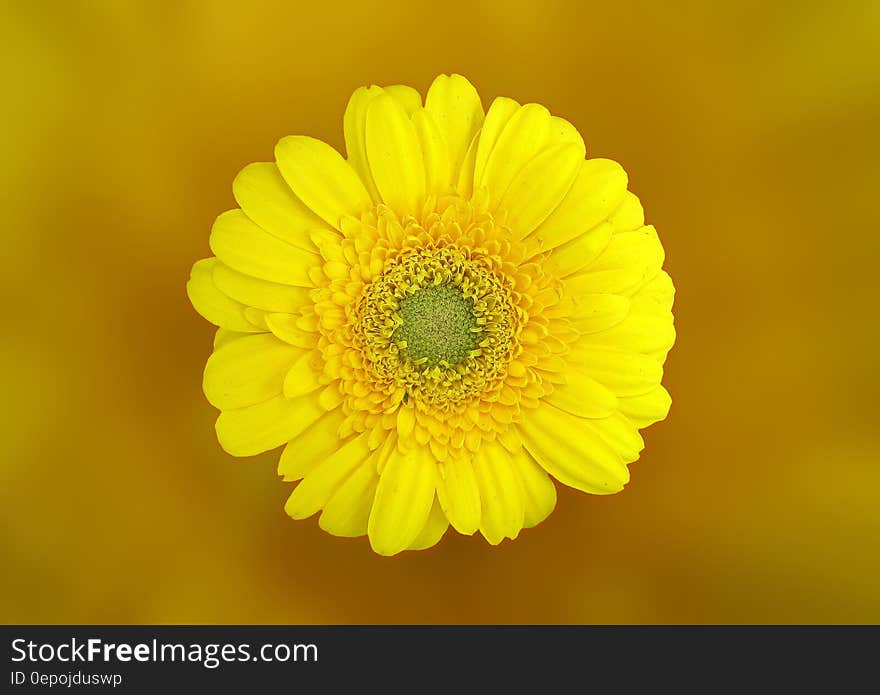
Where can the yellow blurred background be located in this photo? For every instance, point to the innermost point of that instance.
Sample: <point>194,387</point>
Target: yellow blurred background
<point>749,131</point>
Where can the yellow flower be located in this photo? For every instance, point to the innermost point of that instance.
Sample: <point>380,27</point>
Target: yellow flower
<point>432,326</point>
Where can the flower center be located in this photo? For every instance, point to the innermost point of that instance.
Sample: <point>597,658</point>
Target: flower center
<point>439,327</point>
<point>438,324</point>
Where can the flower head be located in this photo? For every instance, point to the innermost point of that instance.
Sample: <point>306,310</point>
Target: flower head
<point>436,325</point>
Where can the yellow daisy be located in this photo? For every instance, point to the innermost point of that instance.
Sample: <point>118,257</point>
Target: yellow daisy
<point>435,326</point>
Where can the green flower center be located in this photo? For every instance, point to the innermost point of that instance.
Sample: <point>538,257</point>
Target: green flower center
<point>438,326</point>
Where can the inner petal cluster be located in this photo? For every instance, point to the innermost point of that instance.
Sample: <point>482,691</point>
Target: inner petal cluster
<point>439,322</point>
<point>439,319</point>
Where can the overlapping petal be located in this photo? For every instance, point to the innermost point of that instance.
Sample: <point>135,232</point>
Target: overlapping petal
<point>211,303</point>
<point>455,107</point>
<point>320,484</point>
<point>403,501</point>
<point>583,460</point>
<point>501,495</point>
<point>248,371</point>
<point>394,154</point>
<point>459,495</point>
<point>264,196</point>
<point>321,178</point>
<point>246,247</point>
<point>267,425</point>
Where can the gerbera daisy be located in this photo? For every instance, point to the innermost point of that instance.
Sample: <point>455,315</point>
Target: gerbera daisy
<point>435,326</point>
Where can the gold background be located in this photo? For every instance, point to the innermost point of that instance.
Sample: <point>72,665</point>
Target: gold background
<point>749,132</point>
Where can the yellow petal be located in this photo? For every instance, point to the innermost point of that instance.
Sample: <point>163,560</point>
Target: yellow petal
<point>258,428</point>
<point>249,249</point>
<point>596,312</point>
<point>331,397</point>
<point>247,371</point>
<point>321,178</point>
<point>455,107</point>
<point>523,137</point>
<point>265,197</point>
<point>561,131</point>
<point>256,317</point>
<point>354,124</point>
<point>582,395</point>
<point>355,127</point>
<point>597,191</point>
<point>262,294</point>
<point>310,447</point>
<point>629,261</point>
<point>647,408</point>
<point>409,99</point>
<point>661,355</point>
<point>406,420</point>
<point>501,498</point>
<point>435,154</point>
<point>572,452</point>
<point>403,500</point>
<point>539,187</point>
<point>433,530</point>
<point>647,328</point>
<point>302,377</point>
<point>347,512</point>
<point>659,289</point>
<point>500,112</point>
<point>222,336</point>
<point>539,492</point>
<point>324,480</point>
<point>580,251</point>
<point>211,303</point>
<point>629,215</point>
<point>395,156</point>
<point>459,495</point>
<point>286,328</point>
<point>620,434</point>
<point>464,186</point>
<point>623,372</point>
